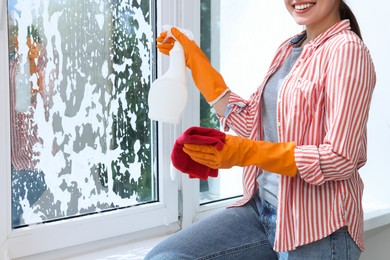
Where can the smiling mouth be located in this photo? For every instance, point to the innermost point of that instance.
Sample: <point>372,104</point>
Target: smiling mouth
<point>301,7</point>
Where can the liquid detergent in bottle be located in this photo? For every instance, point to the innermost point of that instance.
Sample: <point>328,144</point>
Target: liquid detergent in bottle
<point>169,93</point>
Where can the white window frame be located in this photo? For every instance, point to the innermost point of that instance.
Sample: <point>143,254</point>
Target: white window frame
<point>95,230</point>
<point>192,211</point>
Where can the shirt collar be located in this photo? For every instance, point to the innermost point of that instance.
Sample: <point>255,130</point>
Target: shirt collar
<point>338,27</point>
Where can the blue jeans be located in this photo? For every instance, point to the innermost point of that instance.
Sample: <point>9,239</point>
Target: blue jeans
<point>247,232</point>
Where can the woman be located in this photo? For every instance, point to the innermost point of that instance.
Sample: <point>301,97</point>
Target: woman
<point>302,189</point>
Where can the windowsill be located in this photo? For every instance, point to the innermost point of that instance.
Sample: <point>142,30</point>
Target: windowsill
<point>376,218</point>
<point>135,250</point>
<point>373,219</point>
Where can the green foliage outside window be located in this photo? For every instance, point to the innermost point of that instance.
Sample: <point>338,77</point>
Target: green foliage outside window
<point>208,117</point>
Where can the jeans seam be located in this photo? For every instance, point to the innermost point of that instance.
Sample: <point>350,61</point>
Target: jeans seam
<point>348,246</point>
<point>333,241</point>
<point>234,250</point>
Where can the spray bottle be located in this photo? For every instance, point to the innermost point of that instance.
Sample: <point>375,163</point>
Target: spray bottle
<point>169,93</point>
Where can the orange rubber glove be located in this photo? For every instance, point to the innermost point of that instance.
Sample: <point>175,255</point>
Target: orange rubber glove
<point>238,151</point>
<point>209,81</point>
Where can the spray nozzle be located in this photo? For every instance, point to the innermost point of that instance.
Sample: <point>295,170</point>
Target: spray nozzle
<point>186,32</point>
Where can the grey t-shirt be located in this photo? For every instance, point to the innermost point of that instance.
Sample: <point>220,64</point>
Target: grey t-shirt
<point>268,182</point>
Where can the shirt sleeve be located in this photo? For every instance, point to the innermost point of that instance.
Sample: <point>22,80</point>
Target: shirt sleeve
<point>349,85</point>
<point>240,114</point>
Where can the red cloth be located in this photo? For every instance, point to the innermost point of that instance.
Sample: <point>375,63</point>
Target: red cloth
<point>196,135</point>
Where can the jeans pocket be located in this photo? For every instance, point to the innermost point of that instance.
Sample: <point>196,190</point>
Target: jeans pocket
<point>337,246</point>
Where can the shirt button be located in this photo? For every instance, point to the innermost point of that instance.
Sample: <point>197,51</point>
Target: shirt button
<point>278,124</point>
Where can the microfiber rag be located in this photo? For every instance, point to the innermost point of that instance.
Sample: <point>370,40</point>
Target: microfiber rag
<point>196,135</point>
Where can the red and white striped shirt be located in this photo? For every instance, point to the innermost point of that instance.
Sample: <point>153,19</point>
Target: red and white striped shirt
<point>323,106</point>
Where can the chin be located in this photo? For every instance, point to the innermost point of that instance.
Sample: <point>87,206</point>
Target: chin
<point>301,21</point>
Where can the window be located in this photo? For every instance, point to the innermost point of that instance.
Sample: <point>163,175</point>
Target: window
<point>241,49</point>
<point>80,139</point>
<point>220,188</point>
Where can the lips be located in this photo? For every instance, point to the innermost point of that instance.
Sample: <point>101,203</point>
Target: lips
<point>303,7</point>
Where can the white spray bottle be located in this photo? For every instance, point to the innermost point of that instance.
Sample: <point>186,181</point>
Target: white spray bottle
<point>169,93</point>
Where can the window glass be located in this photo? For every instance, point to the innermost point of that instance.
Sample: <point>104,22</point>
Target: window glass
<point>228,184</point>
<point>79,76</point>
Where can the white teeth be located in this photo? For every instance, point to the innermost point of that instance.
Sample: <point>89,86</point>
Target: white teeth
<point>303,6</point>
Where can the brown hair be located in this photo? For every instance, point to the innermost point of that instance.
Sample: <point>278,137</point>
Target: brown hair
<point>346,13</point>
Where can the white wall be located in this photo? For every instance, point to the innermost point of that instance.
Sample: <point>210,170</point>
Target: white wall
<point>250,33</point>
<point>373,19</point>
